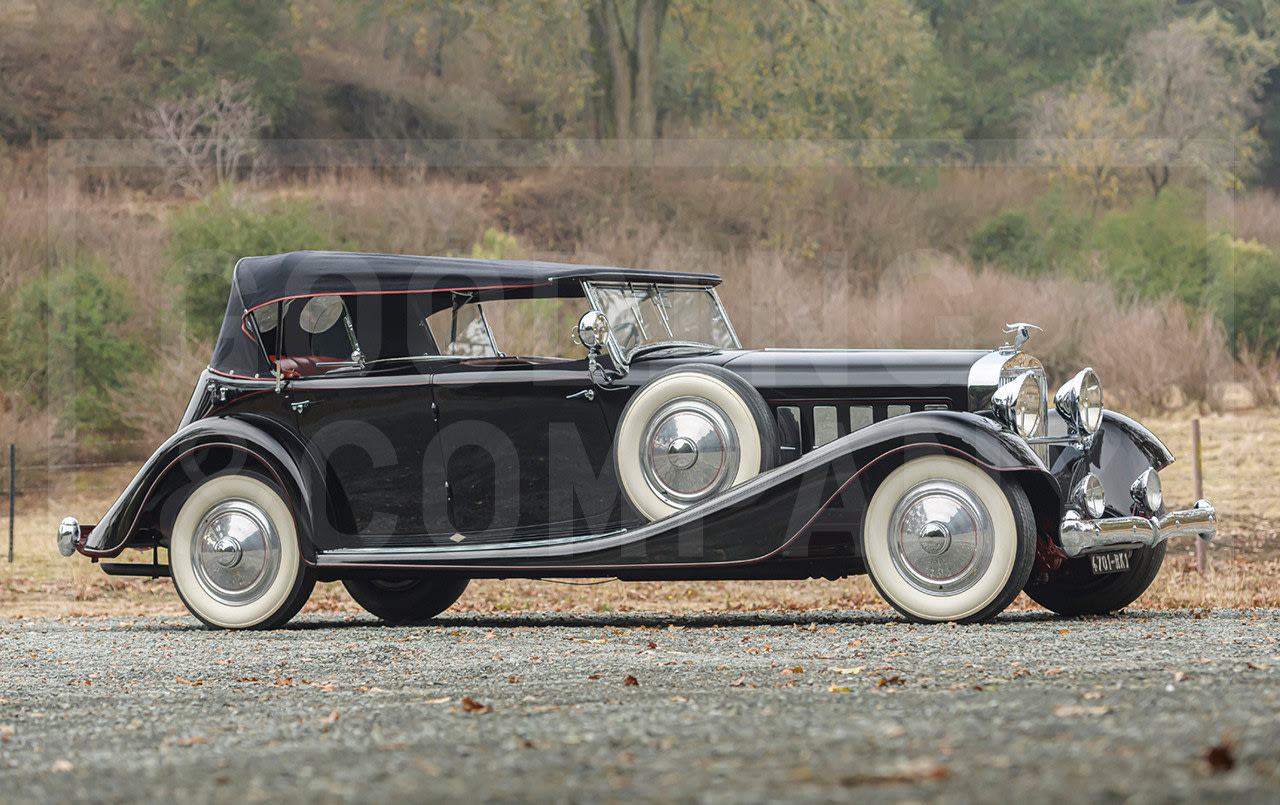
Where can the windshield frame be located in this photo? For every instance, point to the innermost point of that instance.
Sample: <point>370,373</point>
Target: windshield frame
<point>591,290</point>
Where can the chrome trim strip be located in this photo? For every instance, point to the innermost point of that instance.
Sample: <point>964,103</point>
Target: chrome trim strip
<point>1081,537</point>
<point>492,546</point>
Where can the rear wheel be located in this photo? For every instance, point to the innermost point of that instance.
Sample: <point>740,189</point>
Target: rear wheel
<point>234,554</point>
<point>1074,590</point>
<point>945,541</point>
<point>400,600</point>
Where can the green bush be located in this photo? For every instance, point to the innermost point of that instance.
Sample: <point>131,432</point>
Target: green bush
<point>67,332</point>
<point>1157,247</point>
<point>496,245</point>
<point>1050,237</point>
<point>206,240</point>
<point>1246,291</point>
<point>1008,240</point>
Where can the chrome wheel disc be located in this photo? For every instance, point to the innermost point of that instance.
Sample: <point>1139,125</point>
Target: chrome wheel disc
<point>941,537</point>
<point>236,552</point>
<point>689,451</point>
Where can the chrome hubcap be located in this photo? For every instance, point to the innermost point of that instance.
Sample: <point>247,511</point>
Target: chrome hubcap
<point>941,537</point>
<point>689,452</point>
<point>236,552</point>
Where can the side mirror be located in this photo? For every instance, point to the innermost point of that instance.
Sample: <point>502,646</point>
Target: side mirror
<point>592,330</point>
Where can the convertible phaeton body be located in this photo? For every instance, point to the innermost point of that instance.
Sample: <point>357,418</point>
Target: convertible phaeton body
<point>404,424</point>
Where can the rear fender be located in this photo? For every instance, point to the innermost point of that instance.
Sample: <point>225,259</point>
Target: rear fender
<point>150,503</point>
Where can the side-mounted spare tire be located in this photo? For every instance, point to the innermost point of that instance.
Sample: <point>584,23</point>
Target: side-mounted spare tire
<point>690,434</point>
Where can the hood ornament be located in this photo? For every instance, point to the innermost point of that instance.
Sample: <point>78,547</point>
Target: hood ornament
<point>1022,332</point>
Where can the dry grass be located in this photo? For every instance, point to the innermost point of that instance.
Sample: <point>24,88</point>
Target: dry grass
<point>1239,448</point>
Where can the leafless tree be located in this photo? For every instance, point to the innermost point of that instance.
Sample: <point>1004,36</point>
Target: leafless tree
<point>1192,110</point>
<point>1183,100</point>
<point>206,140</point>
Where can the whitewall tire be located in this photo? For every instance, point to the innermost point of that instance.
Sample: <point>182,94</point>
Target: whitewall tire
<point>690,434</point>
<point>234,555</point>
<point>945,541</point>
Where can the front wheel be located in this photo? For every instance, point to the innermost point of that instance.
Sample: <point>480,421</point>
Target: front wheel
<point>234,555</point>
<point>945,541</point>
<point>1074,590</point>
<point>404,600</point>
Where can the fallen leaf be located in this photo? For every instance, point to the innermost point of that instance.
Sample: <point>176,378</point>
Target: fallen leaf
<point>834,689</point>
<point>630,681</point>
<point>856,670</point>
<point>1180,676</point>
<point>652,644</point>
<point>515,679</point>
<point>1069,710</point>
<point>470,705</point>
<point>191,741</point>
<point>331,718</point>
<point>911,772</point>
<point>61,765</point>
<point>441,700</point>
<point>1093,694</point>
<point>889,680</point>
<point>739,682</point>
<point>594,676</point>
<point>1221,758</point>
<point>1256,666</point>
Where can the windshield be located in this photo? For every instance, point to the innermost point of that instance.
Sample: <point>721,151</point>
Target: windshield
<point>654,314</point>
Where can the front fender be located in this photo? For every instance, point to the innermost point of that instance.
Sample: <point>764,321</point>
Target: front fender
<point>1119,452</point>
<point>196,451</point>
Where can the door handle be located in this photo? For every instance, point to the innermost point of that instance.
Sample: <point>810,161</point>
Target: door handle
<point>588,394</point>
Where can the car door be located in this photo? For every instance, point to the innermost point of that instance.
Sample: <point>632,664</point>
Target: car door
<point>368,425</point>
<point>371,436</point>
<point>525,450</point>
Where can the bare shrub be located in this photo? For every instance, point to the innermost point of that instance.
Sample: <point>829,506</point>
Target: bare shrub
<point>158,393</point>
<point>1259,370</point>
<point>430,216</point>
<point>27,428</point>
<point>205,140</point>
<point>1250,216</point>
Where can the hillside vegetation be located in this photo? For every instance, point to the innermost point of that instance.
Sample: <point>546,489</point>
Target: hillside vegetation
<point>887,173</point>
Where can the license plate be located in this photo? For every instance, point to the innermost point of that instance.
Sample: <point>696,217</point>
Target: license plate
<point>1109,562</point>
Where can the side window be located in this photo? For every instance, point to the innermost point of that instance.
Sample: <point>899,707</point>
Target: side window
<point>516,327</point>
<point>463,332</point>
<point>310,335</point>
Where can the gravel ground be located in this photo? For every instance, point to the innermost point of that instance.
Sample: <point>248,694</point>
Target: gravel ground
<point>794,707</point>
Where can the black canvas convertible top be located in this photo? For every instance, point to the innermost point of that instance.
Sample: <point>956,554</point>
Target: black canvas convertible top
<point>259,281</point>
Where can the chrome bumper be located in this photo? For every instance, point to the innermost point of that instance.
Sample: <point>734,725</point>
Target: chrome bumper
<point>1081,536</point>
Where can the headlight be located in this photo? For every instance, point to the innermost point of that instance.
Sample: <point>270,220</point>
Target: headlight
<point>1090,495</point>
<point>1147,494</point>
<point>1017,404</point>
<point>1079,402</point>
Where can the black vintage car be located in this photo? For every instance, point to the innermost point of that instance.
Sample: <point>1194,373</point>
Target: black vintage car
<point>405,424</point>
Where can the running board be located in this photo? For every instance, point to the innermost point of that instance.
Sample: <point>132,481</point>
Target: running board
<point>135,569</point>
